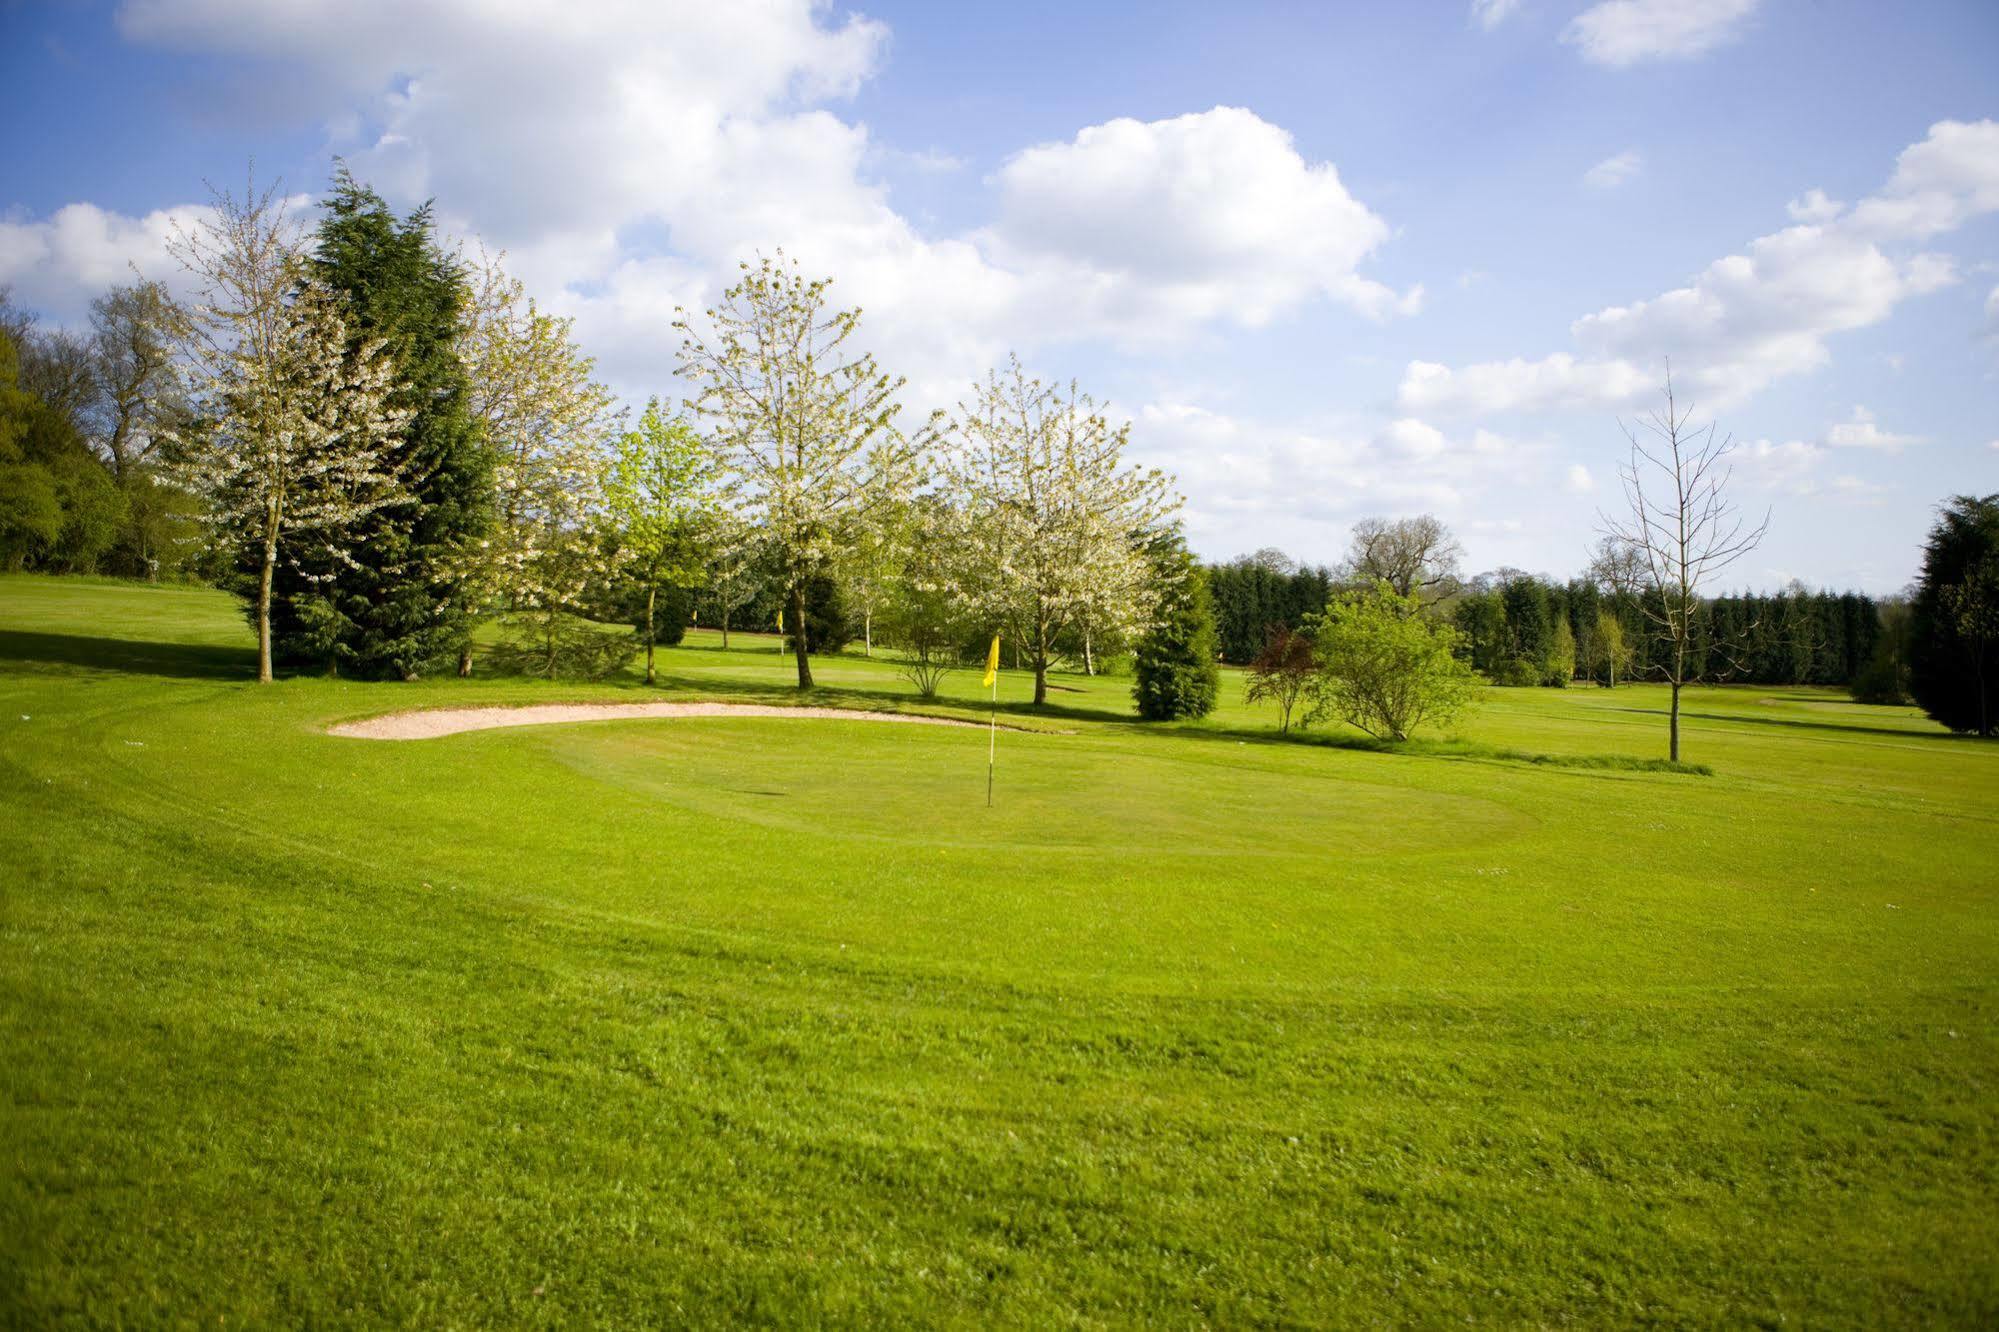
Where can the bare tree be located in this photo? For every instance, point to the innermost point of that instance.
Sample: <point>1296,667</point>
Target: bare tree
<point>1412,555</point>
<point>1682,530</point>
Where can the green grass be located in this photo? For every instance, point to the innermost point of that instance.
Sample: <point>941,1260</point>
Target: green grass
<point>769,1020</point>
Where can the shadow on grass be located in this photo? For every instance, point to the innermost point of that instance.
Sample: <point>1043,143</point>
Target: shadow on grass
<point>1443,749</point>
<point>1798,723</point>
<point>191,661</point>
<point>899,700</point>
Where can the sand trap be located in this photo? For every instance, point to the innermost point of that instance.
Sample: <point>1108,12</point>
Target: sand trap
<point>431,723</point>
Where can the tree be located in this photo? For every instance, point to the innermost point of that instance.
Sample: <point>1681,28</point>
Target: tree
<point>547,420</point>
<point>1052,522</point>
<point>1282,673</point>
<point>922,619</point>
<point>1954,617</point>
<point>1884,677</point>
<point>1683,530</point>
<point>1611,653</point>
<point>660,493</point>
<point>1561,666</point>
<point>136,331</point>
<point>1412,555</point>
<point>1385,668</point>
<point>736,569</point>
<point>403,600</point>
<point>293,428</point>
<point>1177,675</point>
<point>873,558</point>
<point>802,422</point>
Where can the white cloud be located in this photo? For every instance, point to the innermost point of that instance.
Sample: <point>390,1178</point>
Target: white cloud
<point>1213,216</point>
<point>1618,33</point>
<point>57,264</point>
<point>1864,432</point>
<point>1753,317</point>
<point>1580,482</point>
<point>1489,14</point>
<point>1814,207</point>
<point>709,132</point>
<point>1612,172</point>
<point>1245,476</point>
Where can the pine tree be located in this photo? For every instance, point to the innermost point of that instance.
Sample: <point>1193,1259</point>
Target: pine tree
<point>1177,675</point>
<point>403,605</point>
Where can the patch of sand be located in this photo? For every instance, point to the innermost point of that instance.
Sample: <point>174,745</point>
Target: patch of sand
<point>430,723</point>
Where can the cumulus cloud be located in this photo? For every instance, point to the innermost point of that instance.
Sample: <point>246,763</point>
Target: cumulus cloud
<point>58,263</point>
<point>1754,317</point>
<point>1862,431</point>
<point>1814,207</point>
<point>1614,171</point>
<point>667,140</point>
<point>1618,33</point>
<point>1249,476</point>
<point>1196,218</point>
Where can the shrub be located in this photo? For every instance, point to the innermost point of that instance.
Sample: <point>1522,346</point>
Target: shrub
<point>1176,672</point>
<point>1282,673</point>
<point>1385,668</point>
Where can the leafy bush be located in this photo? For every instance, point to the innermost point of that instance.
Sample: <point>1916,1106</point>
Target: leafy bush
<point>1385,668</point>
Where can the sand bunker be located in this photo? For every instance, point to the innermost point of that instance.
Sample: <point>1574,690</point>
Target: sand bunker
<point>431,723</point>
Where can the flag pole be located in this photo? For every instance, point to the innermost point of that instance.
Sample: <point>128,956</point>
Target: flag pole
<point>992,723</point>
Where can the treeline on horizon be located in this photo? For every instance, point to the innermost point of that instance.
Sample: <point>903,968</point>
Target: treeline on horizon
<point>1526,629</point>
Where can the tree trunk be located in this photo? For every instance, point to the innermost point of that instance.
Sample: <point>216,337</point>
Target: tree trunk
<point>868,630</point>
<point>725,629</point>
<point>465,662</point>
<point>798,636</point>
<point>1673,748</point>
<point>264,610</point>
<point>1089,657</point>
<point>652,597</point>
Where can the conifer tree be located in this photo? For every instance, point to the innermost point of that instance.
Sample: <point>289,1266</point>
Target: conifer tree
<point>402,605</point>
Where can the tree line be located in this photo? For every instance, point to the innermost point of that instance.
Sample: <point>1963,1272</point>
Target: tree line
<point>380,441</point>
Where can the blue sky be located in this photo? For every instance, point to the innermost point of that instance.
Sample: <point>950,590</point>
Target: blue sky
<point>1331,260</point>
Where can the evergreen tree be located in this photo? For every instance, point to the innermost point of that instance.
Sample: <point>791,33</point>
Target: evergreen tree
<point>1954,618</point>
<point>1177,675</point>
<point>402,604</point>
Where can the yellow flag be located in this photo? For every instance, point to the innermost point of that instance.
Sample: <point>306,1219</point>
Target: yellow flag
<point>780,620</point>
<point>992,663</point>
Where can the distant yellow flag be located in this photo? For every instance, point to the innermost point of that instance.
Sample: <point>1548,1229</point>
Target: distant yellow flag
<point>780,620</point>
<point>992,663</point>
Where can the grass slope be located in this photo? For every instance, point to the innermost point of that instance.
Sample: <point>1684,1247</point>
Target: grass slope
<point>735,1019</point>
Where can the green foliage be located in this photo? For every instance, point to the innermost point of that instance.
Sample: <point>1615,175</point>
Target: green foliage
<point>59,509</point>
<point>659,492</point>
<point>1257,593</point>
<point>1885,677</point>
<point>1561,665</point>
<point>828,625</point>
<point>1954,618</point>
<point>1175,660</point>
<point>1385,668</point>
<point>403,603</point>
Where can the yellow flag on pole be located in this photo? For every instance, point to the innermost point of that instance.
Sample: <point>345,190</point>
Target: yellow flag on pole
<point>992,664</point>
